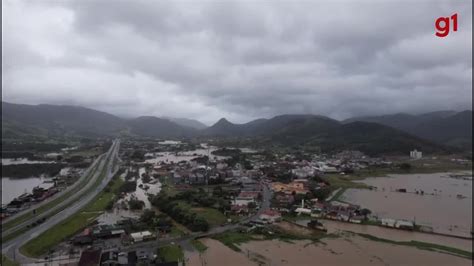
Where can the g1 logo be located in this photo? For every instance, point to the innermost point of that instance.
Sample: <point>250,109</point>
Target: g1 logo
<point>442,25</point>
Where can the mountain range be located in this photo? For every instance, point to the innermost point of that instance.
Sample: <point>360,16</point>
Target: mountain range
<point>446,127</point>
<point>381,134</point>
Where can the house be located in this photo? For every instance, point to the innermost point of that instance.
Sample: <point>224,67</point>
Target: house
<point>141,236</point>
<point>357,219</point>
<point>239,209</point>
<point>416,154</point>
<point>388,222</point>
<point>109,258</point>
<point>344,216</point>
<point>402,224</point>
<point>129,258</point>
<point>270,216</point>
<point>301,210</point>
<point>90,257</point>
<point>303,172</point>
<point>316,213</point>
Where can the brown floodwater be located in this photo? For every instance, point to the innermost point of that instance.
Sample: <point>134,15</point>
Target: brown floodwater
<point>345,250</point>
<point>394,234</point>
<point>439,207</point>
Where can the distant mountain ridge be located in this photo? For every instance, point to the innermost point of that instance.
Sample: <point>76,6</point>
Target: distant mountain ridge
<point>446,127</point>
<point>22,121</point>
<point>186,122</point>
<point>326,133</point>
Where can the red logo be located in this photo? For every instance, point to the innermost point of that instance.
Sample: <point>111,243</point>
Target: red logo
<point>442,25</point>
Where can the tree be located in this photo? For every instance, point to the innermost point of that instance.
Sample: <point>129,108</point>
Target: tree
<point>405,166</point>
<point>252,205</point>
<point>147,217</point>
<point>365,212</point>
<point>321,193</point>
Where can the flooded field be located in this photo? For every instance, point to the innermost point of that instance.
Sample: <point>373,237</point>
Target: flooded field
<point>445,205</point>
<point>14,187</point>
<point>174,157</point>
<point>344,250</point>
<point>393,234</point>
<point>9,161</point>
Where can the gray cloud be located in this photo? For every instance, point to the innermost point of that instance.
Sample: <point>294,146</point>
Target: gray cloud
<point>240,60</point>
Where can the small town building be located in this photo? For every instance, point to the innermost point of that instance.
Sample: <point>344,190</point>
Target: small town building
<point>270,216</point>
<point>90,257</point>
<point>141,236</point>
<point>414,154</point>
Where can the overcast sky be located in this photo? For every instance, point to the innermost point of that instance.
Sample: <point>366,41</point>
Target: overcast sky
<point>239,60</point>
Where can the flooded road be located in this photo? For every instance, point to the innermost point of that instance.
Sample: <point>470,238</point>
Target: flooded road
<point>439,207</point>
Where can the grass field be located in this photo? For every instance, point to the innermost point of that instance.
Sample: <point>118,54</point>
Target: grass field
<point>72,225</point>
<point>212,216</point>
<point>198,245</point>
<point>344,181</point>
<point>171,253</point>
<point>7,262</point>
<point>232,239</point>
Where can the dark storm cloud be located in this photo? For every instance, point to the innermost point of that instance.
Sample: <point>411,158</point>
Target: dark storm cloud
<point>240,60</point>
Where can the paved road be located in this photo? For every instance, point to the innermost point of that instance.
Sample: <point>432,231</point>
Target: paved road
<point>11,248</point>
<point>57,207</point>
<point>266,197</point>
<point>57,195</point>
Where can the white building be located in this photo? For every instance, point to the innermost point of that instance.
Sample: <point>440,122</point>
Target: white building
<point>415,154</point>
<point>141,236</point>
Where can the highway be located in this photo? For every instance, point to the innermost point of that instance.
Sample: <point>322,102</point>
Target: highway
<point>11,247</point>
<point>52,198</point>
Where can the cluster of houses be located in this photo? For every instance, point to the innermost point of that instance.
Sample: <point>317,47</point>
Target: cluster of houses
<point>141,256</point>
<point>66,177</point>
<point>25,200</point>
<point>123,229</point>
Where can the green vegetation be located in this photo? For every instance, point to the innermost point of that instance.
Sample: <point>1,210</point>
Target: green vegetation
<point>423,245</point>
<point>212,216</point>
<point>7,262</point>
<point>344,181</point>
<point>232,239</point>
<point>197,210</point>
<point>73,224</point>
<point>31,169</point>
<point>176,232</point>
<point>171,253</point>
<point>198,245</point>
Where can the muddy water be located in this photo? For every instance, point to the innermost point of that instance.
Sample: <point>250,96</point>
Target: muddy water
<point>14,187</point>
<point>439,207</point>
<point>393,234</point>
<point>345,250</point>
<point>217,254</point>
<point>173,157</point>
<point>141,193</point>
